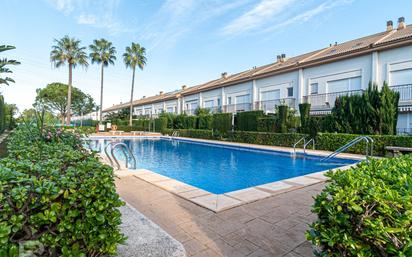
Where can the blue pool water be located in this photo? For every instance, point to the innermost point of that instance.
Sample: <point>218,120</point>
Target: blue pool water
<point>220,169</point>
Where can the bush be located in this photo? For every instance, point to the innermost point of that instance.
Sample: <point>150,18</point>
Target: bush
<point>193,133</point>
<point>248,121</point>
<point>366,211</point>
<point>304,110</point>
<point>267,124</point>
<point>222,123</point>
<point>278,139</point>
<point>57,193</point>
<point>160,123</point>
<point>205,121</point>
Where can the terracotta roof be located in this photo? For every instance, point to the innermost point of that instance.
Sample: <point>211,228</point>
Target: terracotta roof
<point>360,46</point>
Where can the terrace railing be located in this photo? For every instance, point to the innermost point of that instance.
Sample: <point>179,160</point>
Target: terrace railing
<point>232,108</point>
<point>405,91</point>
<point>214,109</point>
<point>270,105</point>
<point>327,100</point>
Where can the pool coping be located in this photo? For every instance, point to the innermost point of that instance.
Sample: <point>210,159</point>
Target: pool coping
<point>225,201</point>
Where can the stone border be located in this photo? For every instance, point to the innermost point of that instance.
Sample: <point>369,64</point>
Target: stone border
<point>221,202</point>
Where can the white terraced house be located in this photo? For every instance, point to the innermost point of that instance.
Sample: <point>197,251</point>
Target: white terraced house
<point>317,77</point>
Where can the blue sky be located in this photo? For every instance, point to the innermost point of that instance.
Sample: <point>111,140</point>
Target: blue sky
<point>188,41</point>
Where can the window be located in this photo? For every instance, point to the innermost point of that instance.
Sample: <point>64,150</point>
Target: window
<point>229,100</point>
<point>242,99</point>
<point>218,102</point>
<point>170,109</point>
<point>160,110</point>
<point>290,91</point>
<point>343,85</point>
<point>209,104</point>
<point>314,88</point>
<point>270,95</point>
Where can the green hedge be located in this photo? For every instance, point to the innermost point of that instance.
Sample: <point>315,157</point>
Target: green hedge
<point>193,133</point>
<point>366,211</point>
<point>222,123</point>
<point>55,193</point>
<point>324,141</point>
<point>267,124</point>
<point>248,121</point>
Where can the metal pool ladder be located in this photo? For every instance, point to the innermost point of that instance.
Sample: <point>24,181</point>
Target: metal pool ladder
<point>297,142</point>
<point>308,142</point>
<point>367,139</point>
<point>126,151</point>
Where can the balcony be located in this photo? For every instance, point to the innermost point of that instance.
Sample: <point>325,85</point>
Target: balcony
<point>270,105</point>
<point>405,92</point>
<point>232,108</point>
<point>214,109</point>
<point>327,101</point>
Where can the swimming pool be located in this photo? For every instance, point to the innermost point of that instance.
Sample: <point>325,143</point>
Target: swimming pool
<point>219,168</point>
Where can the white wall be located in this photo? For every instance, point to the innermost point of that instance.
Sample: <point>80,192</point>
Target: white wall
<point>349,68</point>
<point>281,82</point>
<point>392,61</point>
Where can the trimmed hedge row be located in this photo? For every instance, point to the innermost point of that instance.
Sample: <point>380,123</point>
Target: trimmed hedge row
<point>324,141</point>
<point>248,121</point>
<point>366,210</point>
<point>56,197</point>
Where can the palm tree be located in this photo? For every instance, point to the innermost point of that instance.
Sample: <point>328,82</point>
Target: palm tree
<point>103,53</point>
<point>135,55</point>
<point>68,50</point>
<point>4,62</point>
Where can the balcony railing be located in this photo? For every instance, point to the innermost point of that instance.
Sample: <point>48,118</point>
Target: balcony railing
<point>190,112</point>
<point>214,109</point>
<point>270,105</point>
<point>327,100</point>
<point>231,108</point>
<point>405,92</point>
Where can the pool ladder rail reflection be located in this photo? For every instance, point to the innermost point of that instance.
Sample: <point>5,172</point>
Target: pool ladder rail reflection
<point>126,152</point>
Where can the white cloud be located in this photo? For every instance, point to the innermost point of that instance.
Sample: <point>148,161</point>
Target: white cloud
<point>177,18</point>
<point>269,15</point>
<point>256,17</point>
<point>309,14</point>
<point>96,13</point>
<point>66,6</point>
<point>89,19</point>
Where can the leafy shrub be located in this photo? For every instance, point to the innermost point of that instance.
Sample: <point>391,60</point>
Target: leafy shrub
<point>278,139</point>
<point>366,211</point>
<point>57,193</point>
<point>222,123</point>
<point>193,133</point>
<point>267,124</point>
<point>160,123</point>
<point>204,121</point>
<point>304,110</point>
<point>248,121</point>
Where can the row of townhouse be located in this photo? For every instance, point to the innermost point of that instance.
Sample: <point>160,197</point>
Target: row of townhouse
<point>318,78</point>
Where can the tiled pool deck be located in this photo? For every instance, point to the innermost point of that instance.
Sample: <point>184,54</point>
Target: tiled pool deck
<point>273,226</point>
<point>266,220</point>
<point>220,202</point>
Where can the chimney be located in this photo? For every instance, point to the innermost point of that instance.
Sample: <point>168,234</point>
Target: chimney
<point>401,23</point>
<point>389,25</point>
<point>161,93</point>
<point>278,57</point>
<point>281,58</point>
<point>143,97</point>
<point>224,75</point>
<point>183,87</point>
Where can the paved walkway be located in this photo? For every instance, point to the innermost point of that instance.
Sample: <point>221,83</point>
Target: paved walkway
<point>273,226</point>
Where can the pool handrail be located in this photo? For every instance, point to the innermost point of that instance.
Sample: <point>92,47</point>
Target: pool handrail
<point>354,141</point>
<point>126,151</point>
<point>308,142</point>
<point>297,142</point>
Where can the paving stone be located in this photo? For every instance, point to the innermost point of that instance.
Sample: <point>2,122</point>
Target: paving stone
<point>276,186</point>
<point>304,181</point>
<point>216,202</point>
<point>248,195</point>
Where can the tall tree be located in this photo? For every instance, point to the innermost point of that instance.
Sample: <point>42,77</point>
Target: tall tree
<point>54,97</point>
<point>68,51</point>
<point>135,56</point>
<point>4,63</point>
<point>103,53</point>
